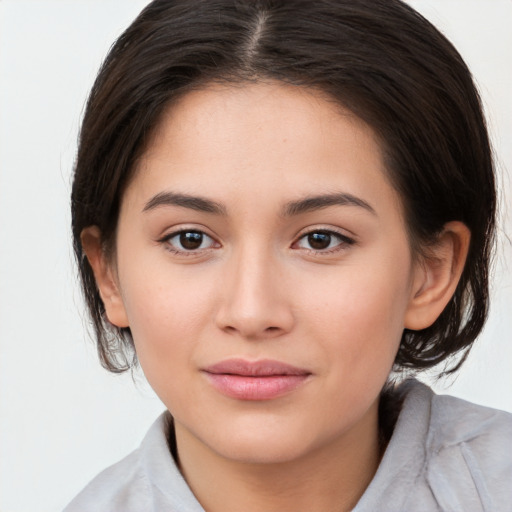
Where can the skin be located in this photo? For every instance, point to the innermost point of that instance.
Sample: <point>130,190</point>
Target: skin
<point>256,288</point>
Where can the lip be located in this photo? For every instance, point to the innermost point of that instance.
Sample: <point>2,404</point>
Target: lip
<point>258,380</point>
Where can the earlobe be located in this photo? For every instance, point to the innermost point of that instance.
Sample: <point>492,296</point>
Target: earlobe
<point>436,276</point>
<point>104,273</point>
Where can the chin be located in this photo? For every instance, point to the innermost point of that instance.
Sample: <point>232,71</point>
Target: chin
<point>268,441</point>
<point>262,451</point>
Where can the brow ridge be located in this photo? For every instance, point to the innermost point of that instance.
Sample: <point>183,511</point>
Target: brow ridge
<point>312,203</point>
<point>197,203</point>
<point>292,208</point>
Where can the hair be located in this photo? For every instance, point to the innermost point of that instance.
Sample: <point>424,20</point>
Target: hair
<point>379,59</point>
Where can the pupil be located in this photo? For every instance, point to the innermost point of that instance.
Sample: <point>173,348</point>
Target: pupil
<point>319,240</point>
<point>191,240</point>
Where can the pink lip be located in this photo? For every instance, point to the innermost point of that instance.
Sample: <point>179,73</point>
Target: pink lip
<point>259,380</point>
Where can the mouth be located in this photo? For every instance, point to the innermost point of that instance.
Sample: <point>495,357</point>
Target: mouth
<point>258,380</point>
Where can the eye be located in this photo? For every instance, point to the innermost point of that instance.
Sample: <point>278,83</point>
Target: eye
<point>323,240</point>
<point>189,240</point>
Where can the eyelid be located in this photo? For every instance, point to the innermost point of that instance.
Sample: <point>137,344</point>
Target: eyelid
<point>345,240</point>
<point>178,230</point>
<point>171,231</point>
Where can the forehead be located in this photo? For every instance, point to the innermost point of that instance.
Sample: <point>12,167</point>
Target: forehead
<point>260,139</point>
<point>265,113</point>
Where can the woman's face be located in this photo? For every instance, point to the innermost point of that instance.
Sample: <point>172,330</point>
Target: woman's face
<point>264,270</point>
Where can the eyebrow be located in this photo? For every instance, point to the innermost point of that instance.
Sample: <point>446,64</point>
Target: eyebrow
<point>312,203</point>
<point>197,203</point>
<point>307,204</point>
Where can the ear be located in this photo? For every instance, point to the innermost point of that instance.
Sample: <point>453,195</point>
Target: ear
<point>105,275</point>
<point>437,275</point>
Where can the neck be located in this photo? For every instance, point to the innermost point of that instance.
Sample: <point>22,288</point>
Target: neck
<point>331,477</point>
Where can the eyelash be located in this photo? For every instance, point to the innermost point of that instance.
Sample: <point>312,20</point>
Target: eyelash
<point>166,240</point>
<point>344,242</point>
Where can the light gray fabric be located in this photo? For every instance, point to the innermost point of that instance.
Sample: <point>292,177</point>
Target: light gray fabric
<point>445,455</point>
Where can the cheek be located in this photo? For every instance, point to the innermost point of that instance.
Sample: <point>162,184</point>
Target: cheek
<point>359,313</point>
<point>166,324</point>
<point>167,311</point>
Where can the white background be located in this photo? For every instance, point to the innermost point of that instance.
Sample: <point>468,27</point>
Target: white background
<point>63,418</point>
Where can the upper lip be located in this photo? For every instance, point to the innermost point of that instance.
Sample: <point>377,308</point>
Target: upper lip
<point>261,368</point>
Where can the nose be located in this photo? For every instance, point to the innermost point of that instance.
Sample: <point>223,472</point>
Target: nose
<point>255,302</point>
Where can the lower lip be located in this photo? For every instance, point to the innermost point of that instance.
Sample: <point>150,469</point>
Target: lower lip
<point>244,387</point>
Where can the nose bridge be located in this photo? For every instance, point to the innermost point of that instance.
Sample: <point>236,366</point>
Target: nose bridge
<point>254,301</point>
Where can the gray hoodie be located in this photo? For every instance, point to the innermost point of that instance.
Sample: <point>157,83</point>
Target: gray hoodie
<point>445,454</point>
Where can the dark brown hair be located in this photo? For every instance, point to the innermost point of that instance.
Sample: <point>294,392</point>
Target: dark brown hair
<point>378,58</point>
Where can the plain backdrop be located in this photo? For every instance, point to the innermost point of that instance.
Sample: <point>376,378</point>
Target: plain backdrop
<point>63,418</point>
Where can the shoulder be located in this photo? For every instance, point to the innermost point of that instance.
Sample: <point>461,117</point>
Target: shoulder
<point>121,487</point>
<point>468,447</point>
<point>451,420</point>
<point>455,421</point>
<point>145,480</point>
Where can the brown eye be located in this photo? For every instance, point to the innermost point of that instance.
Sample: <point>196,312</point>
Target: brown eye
<point>189,241</point>
<point>319,241</point>
<point>323,241</point>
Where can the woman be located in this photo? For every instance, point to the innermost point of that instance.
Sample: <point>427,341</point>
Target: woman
<point>279,207</point>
